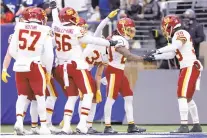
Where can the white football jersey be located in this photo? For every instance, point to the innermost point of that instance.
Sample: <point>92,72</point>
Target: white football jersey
<point>116,59</point>
<point>186,54</point>
<point>95,55</point>
<point>68,47</point>
<point>28,44</point>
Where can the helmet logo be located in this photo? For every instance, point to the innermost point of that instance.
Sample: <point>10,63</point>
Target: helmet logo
<point>166,20</point>
<point>43,12</point>
<point>122,22</point>
<point>69,12</point>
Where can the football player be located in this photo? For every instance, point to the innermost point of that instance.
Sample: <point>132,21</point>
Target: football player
<point>96,56</point>
<point>72,68</point>
<point>117,81</point>
<point>31,99</point>
<point>190,69</point>
<point>31,47</point>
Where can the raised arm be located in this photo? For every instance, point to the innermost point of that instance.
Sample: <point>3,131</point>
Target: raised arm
<point>103,23</point>
<point>168,55</point>
<point>127,54</point>
<point>97,41</point>
<point>48,55</point>
<point>53,6</point>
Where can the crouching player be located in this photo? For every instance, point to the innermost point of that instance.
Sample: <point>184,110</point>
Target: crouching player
<point>31,47</point>
<point>190,69</point>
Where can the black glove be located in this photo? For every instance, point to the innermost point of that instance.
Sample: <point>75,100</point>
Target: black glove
<point>150,53</point>
<point>150,58</point>
<point>53,4</point>
<point>113,43</point>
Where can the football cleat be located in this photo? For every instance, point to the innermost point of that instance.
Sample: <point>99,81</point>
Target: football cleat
<point>44,130</point>
<point>53,129</point>
<point>109,130</point>
<point>92,130</point>
<point>18,128</point>
<point>132,128</point>
<point>196,128</point>
<point>181,129</point>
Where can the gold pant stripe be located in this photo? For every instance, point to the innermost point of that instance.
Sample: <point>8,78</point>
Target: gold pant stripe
<point>43,78</point>
<point>86,82</point>
<point>111,86</point>
<point>51,90</point>
<point>186,81</point>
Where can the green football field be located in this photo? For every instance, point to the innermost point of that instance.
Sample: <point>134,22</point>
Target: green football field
<point>119,128</point>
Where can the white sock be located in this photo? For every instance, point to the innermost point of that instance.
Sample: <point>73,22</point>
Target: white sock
<point>41,104</point>
<point>192,107</point>
<point>79,108</point>
<point>183,108</point>
<point>128,106</point>
<point>20,104</point>
<point>107,111</point>
<point>91,115</point>
<point>50,104</point>
<point>68,112</point>
<point>85,108</point>
<point>27,102</point>
<point>34,113</point>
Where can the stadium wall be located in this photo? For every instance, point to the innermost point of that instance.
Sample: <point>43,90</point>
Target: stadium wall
<point>154,101</point>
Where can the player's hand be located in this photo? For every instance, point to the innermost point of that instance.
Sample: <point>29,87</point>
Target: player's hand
<point>113,13</point>
<point>113,43</point>
<point>98,96</point>
<point>4,76</point>
<point>152,52</point>
<point>150,58</point>
<point>53,4</point>
<point>48,77</point>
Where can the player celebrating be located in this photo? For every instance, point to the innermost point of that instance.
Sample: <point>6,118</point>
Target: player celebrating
<point>117,81</point>
<point>31,47</point>
<point>190,68</point>
<point>96,56</point>
<point>72,68</point>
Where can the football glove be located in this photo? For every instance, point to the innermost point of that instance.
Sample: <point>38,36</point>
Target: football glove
<point>4,76</point>
<point>113,13</point>
<point>113,43</point>
<point>149,58</point>
<point>53,4</point>
<point>98,96</point>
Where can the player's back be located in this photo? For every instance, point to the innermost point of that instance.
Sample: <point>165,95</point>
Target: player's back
<point>94,55</point>
<point>31,39</point>
<point>116,59</point>
<point>186,54</point>
<point>68,45</point>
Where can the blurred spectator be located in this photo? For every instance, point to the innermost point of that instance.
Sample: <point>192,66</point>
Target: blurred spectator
<point>35,3</point>
<point>13,5</point>
<point>81,6</point>
<point>104,8</point>
<point>133,9</point>
<point>151,10</point>
<point>194,28</point>
<point>96,15</point>
<point>114,4</point>
<point>94,3</point>
<point>161,41</point>
<point>6,15</point>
